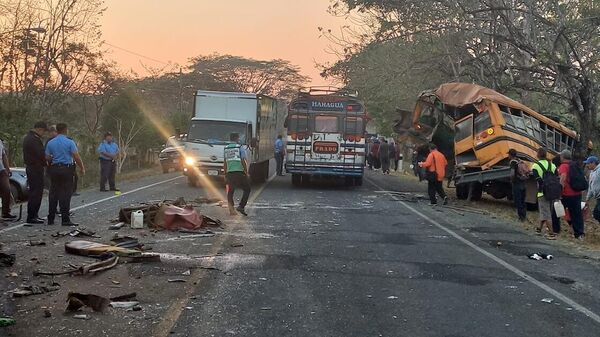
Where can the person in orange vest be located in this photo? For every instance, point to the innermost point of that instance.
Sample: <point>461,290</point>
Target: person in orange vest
<point>435,164</point>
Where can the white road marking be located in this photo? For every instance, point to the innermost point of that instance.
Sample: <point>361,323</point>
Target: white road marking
<point>501,262</point>
<point>100,201</point>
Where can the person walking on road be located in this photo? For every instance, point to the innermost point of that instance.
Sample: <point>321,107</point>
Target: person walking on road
<point>279,153</point>
<point>374,154</point>
<point>435,164</point>
<point>549,191</point>
<point>384,156</point>
<point>519,174</point>
<point>570,177</point>
<point>236,173</point>
<point>593,165</point>
<point>62,154</point>
<point>34,157</point>
<point>5,184</point>
<point>108,151</point>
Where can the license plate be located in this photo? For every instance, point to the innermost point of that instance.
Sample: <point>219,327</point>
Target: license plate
<point>325,147</point>
<point>213,172</point>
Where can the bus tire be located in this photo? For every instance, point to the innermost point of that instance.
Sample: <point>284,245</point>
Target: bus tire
<point>358,181</point>
<point>462,191</point>
<point>296,179</point>
<point>476,192</point>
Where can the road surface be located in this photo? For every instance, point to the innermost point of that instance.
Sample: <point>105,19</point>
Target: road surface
<point>324,260</point>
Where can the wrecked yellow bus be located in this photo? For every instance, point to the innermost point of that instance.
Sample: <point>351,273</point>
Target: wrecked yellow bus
<point>486,124</point>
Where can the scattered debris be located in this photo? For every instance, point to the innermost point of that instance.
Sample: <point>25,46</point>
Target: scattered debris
<point>540,256</point>
<point>77,232</point>
<point>236,245</point>
<point>88,248</point>
<point>124,305</point>
<point>547,300</point>
<point>76,301</point>
<point>187,273</point>
<point>108,261</point>
<point>126,242</point>
<point>28,290</point>
<point>265,308</point>
<point>7,260</point>
<point>176,280</point>
<point>7,321</point>
<point>85,317</point>
<point>392,297</point>
<point>123,298</point>
<point>32,243</point>
<point>404,196</point>
<point>116,226</point>
<point>47,313</point>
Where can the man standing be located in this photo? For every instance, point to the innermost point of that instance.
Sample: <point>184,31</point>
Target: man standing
<point>279,150</point>
<point>594,189</point>
<point>62,152</point>
<point>108,151</point>
<point>571,198</point>
<point>384,156</point>
<point>5,184</point>
<point>236,173</point>
<point>34,157</point>
<point>519,174</point>
<point>549,191</point>
<point>435,164</point>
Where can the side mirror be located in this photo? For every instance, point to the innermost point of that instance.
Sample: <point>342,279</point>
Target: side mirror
<point>253,142</point>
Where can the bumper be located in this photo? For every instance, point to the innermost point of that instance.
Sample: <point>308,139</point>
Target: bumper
<point>202,171</point>
<point>325,170</point>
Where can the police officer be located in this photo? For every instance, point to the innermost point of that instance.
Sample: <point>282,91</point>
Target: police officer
<point>34,157</point>
<point>236,173</point>
<point>62,154</point>
<point>108,152</point>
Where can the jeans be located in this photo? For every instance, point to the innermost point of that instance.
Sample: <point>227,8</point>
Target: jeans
<point>573,204</point>
<point>237,180</point>
<point>596,212</point>
<point>433,187</point>
<point>61,189</point>
<point>279,160</point>
<point>519,193</point>
<point>5,192</point>
<point>108,168</point>
<point>35,181</point>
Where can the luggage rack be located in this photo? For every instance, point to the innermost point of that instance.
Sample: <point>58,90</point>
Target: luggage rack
<point>327,90</point>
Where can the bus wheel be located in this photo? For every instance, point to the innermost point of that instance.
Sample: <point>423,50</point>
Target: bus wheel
<point>462,191</point>
<point>358,181</point>
<point>296,179</point>
<point>476,191</point>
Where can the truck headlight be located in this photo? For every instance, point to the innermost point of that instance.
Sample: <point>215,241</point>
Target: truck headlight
<point>190,161</point>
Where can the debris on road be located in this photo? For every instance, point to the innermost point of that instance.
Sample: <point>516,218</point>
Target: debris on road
<point>405,196</point>
<point>84,317</point>
<point>7,260</point>
<point>33,243</point>
<point>28,290</point>
<point>108,261</point>
<point>77,301</point>
<point>176,280</point>
<point>124,298</point>
<point>116,226</point>
<point>124,305</point>
<point>88,248</point>
<point>77,232</point>
<point>126,242</point>
<point>547,300</point>
<point>7,321</point>
<point>540,256</point>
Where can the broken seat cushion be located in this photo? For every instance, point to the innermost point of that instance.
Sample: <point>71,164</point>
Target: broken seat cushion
<point>175,218</point>
<point>88,248</point>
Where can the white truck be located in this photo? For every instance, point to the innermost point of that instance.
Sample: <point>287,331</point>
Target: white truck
<point>258,119</point>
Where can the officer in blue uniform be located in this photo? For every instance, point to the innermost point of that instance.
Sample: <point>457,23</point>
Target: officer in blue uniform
<point>62,155</point>
<point>108,152</point>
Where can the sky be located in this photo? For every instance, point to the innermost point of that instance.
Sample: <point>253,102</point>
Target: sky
<point>175,30</point>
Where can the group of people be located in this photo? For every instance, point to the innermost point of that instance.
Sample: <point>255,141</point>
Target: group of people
<point>382,154</point>
<point>561,183</point>
<point>56,159</point>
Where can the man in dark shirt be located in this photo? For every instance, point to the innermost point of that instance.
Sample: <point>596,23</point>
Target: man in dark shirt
<point>34,157</point>
<point>519,187</point>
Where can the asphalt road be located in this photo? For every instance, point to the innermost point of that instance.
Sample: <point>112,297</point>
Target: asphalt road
<point>324,260</point>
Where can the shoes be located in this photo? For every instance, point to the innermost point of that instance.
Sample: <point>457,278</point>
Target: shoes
<point>445,200</point>
<point>9,217</point>
<point>35,221</point>
<point>242,211</point>
<point>580,238</point>
<point>50,221</point>
<point>70,223</point>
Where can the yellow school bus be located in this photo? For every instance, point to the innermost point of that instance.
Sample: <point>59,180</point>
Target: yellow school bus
<point>486,126</point>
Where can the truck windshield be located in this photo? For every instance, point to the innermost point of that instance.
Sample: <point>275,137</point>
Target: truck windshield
<point>216,132</point>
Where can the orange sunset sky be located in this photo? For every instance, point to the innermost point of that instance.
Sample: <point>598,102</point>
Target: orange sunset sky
<point>175,30</point>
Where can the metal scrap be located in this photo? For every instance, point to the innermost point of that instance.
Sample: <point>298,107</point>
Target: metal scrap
<point>28,290</point>
<point>91,268</point>
<point>77,301</point>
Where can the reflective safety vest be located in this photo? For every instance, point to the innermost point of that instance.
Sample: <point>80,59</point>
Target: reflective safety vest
<point>548,166</point>
<point>233,158</point>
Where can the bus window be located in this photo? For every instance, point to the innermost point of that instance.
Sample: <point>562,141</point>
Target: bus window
<point>543,133</point>
<point>564,142</point>
<point>326,124</point>
<point>482,122</point>
<point>507,117</point>
<point>536,128</point>
<point>354,125</point>
<point>463,129</point>
<point>550,138</point>
<point>557,141</point>
<point>529,125</point>
<point>298,123</point>
<point>519,122</point>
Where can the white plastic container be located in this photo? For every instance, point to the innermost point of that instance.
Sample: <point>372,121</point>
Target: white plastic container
<point>559,209</point>
<point>137,219</point>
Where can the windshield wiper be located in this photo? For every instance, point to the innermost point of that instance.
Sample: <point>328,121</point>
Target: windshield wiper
<point>203,141</point>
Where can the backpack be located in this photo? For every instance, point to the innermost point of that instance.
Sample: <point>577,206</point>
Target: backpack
<point>523,171</point>
<point>577,179</point>
<point>550,183</point>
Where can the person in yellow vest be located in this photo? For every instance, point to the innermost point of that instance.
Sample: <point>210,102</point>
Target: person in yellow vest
<point>549,189</point>
<point>236,173</point>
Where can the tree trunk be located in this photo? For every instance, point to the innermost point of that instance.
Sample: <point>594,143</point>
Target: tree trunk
<point>586,115</point>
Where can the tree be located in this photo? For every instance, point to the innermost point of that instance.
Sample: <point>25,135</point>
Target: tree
<point>514,46</point>
<point>277,78</point>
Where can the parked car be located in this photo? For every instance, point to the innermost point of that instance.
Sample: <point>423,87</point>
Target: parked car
<point>170,157</point>
<point>18,184</point>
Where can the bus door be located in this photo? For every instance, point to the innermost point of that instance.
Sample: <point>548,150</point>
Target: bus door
<point>326,139</point>
<point>464,150</point>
